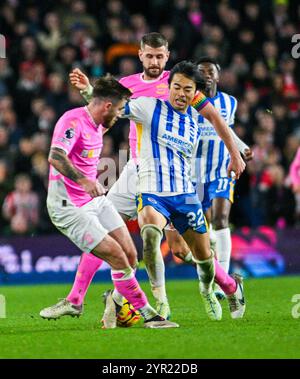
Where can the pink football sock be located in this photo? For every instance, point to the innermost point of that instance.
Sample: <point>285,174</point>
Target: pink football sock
<point>127,285</point>
<point>225,281</point>
<point>88,266</point>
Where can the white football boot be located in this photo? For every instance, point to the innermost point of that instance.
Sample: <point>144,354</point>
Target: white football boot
<point>62,308</point>
<point>236,301</point>
<point>158,322</point>
<point>109,318</point>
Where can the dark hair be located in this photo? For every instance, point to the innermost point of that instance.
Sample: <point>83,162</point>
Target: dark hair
<point>209,60</point>
<point>154,40</point>
<point>190,70</point>
<point>107,87</point>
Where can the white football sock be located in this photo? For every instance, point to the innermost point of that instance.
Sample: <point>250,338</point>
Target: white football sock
<point>212,237</point>
<point>206,274</point>
<point>223,247</point>
<point>154,262</point>
<point>148,312</point>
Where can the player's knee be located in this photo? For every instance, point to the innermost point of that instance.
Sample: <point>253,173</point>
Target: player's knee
<point>220,221</point>
<point>113,254</point>
<point>119,259</point>
<point>132,256</point>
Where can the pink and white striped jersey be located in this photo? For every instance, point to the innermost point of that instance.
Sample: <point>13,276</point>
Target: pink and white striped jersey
<point>158,88</point>
<point>81,138</point>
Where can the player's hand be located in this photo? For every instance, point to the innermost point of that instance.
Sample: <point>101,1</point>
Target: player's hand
<point>236,165</point>
<point>248,155</point>
<point>78,79</point>
<point>93,188</point>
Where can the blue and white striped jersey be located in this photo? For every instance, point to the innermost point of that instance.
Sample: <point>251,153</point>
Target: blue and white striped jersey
<point>166,143</point>
<point>212,156</point>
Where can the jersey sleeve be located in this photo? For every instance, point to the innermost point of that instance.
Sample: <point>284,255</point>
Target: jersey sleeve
<point>138,109</point>
<point>233,107</point>
<point>66,133</point>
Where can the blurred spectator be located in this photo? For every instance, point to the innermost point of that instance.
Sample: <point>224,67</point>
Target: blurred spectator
<point>24,153</point>
<point>5,148</point>
<point>292,143</point>
<point>169,32</point>
<point>139,26</point>
<point>39,175</point>
<point>247,44</point>
<point>78,15</point>
<point>239,65</point>
<point>21,207</point>
<point>6,77</point>
<point>125,46</point>
<point>127,66</point>
<point>6,185</point>
<point>47,118</point>
<point>9,120</point>
<point>67,58</point>
<point>290,88</point>
<point>52,37</point>
<point>261,81</point>
<point>95,63</point>
<point>56,93</point>
<point>194,14</point>
<point>280,202</point>
<point>270,54</point>
<point>28,86</point>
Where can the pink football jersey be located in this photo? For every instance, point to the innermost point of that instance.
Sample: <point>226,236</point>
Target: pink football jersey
<point>295,170</point>
<point>78,135</point>
<point>158,88</point>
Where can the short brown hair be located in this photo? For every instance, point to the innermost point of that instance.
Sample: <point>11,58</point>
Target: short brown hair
<point>107,87</point>
<point>154,40</point>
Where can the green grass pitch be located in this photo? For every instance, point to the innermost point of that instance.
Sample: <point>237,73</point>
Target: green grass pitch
<point>268,329</point>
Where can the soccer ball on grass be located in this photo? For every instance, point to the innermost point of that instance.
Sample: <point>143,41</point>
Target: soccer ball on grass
<point>128,315</point>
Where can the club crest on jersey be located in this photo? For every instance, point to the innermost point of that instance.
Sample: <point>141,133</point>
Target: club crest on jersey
<point>70,133</point>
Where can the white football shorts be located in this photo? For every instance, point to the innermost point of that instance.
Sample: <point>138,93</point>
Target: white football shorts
<point>88,225</point>
<point>123,193</point>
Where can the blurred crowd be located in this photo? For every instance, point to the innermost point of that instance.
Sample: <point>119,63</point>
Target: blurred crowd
<point>250,39</point>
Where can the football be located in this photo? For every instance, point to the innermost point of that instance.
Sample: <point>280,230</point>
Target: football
<point>128,315</point>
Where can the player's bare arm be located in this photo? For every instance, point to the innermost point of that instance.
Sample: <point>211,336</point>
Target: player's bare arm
<point>79,80</point>
<point>59,160</point>
<point>237,165</point>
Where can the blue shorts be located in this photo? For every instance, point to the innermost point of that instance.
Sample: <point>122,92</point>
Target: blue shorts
<point>184,211</point>
<point>222,187</point>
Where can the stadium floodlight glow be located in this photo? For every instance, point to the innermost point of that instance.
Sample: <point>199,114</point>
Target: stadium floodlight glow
<point>2,46</point>
<point>296,49</point>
